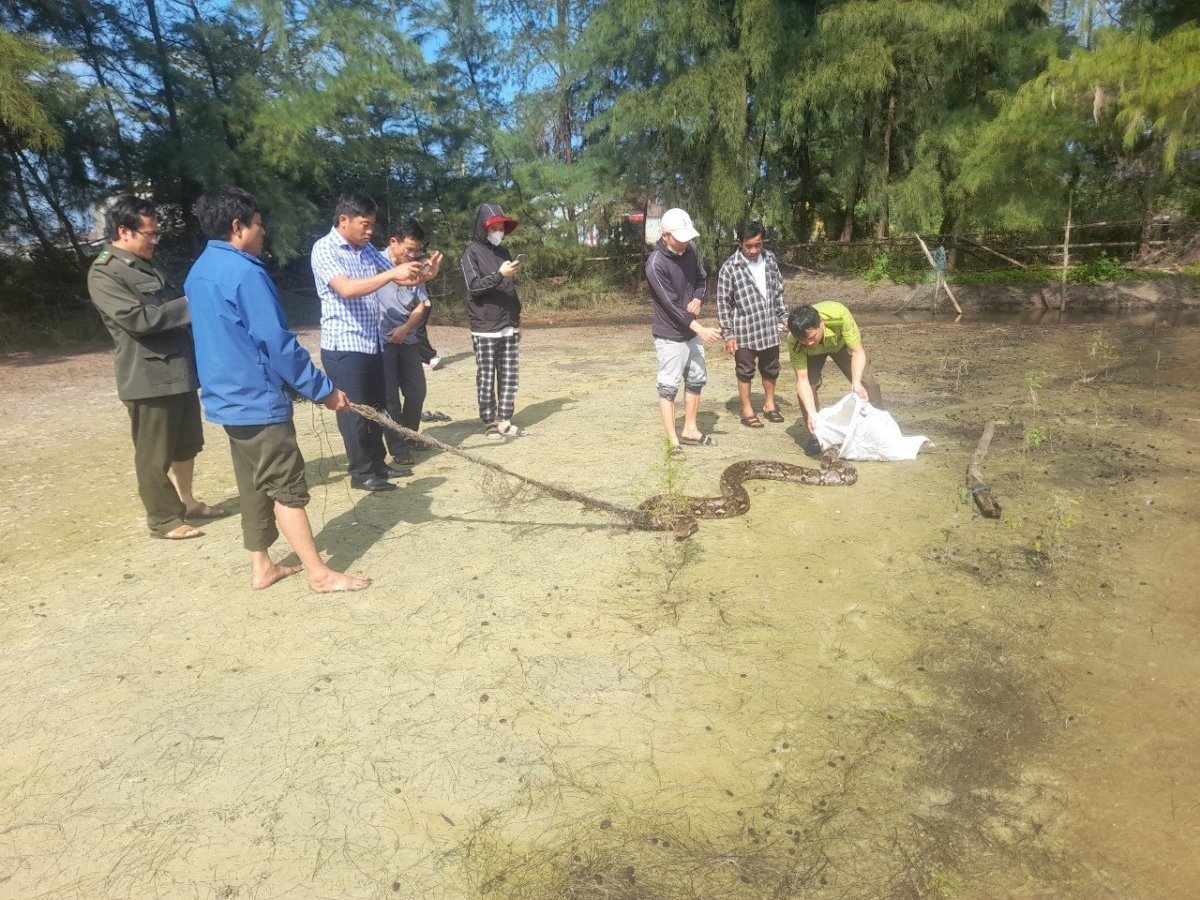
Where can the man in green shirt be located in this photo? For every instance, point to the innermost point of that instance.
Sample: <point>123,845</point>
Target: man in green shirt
<point>815,333</point>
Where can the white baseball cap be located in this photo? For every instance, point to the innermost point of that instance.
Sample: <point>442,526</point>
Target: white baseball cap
<point>678,224</point>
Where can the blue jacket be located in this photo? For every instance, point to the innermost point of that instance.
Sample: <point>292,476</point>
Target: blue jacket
<point>246,357</point>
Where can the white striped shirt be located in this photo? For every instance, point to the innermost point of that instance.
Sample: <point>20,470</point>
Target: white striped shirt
<point>347,323</point>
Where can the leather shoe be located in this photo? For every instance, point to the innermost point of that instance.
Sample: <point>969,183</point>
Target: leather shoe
<point>395,472</point>
<point>372,483</point>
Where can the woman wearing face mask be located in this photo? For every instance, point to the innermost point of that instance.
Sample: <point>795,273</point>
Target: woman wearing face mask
<point>495,317</point>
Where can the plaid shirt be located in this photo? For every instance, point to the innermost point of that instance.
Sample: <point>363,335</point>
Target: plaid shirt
<point>347,324</point>
<point>745,314</point>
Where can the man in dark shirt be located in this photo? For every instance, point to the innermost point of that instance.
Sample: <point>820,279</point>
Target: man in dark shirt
<point>148,319</point>
<point>677,284</point>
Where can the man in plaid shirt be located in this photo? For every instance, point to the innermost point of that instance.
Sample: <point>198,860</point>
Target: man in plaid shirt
<point>751,311</point>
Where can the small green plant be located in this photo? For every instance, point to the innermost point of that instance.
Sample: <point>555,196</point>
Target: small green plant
<point>1035,436</point>
<point>1105,352</point>
<point>1101,270</point>
<point>1049,541</point>
<point>1034,381</point>
<point>879,270</point>
<point>1192,272</point>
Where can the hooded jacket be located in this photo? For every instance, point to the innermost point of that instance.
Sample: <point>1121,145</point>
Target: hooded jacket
<point>492,302</point>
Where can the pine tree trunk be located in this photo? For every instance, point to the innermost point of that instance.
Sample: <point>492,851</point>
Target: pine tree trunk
<point>1146,202</point>
<point>31,217</point>
<point>47,194</point>
<point>852,198</point>
<point>210,68</point>
<point>164,73</point>
<point>881,227</point>
<point>188,190</point>
<point>92,56</point>
<point>804,220</point>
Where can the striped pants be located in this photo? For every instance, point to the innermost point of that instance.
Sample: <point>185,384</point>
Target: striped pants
<point>497,361</point>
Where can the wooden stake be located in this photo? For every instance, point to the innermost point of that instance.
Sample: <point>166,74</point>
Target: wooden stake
<point>1062,290</point>
<point>978,489</point>
<point>941,282</point>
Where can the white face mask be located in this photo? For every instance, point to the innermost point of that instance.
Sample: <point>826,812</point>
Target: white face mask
<point>495,237</point>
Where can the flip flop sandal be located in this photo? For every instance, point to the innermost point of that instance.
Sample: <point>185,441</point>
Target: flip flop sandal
<point>752,421</point>
<point>514,431</point>
<point>434,416</point>
<point>772,415</point>
<point>173,536</point>
<point>206,512</point>
<point>492,433</point>
<point>705,440</point>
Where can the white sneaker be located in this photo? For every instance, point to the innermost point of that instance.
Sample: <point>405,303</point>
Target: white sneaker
<point>434,363</point>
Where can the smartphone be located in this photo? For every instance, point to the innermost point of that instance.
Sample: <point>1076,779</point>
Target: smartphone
<point>426,266</point>
<point>520,259</point>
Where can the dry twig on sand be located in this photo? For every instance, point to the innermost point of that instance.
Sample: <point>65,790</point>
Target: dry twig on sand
<point>977,488</point>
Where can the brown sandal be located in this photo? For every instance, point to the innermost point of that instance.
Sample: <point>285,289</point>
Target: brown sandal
<point>772,415</point>
<point>752,421</point>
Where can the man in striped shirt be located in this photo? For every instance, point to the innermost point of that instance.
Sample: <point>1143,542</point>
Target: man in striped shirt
<point>349,271</point>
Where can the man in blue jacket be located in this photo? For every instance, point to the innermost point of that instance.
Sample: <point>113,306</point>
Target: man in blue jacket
<point>249,363</point>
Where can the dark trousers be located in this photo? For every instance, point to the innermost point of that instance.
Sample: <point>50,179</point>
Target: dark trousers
<point>164,430</point>
<point>360,376</point>
<point>426,348</point>
<point>269,468</point>
<point>403,377</point>
<point>842,358</point>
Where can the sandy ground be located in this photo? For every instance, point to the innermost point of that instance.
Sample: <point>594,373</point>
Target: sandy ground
<point>846,693</point>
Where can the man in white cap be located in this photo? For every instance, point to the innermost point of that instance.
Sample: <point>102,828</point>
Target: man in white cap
<point>677,282</point>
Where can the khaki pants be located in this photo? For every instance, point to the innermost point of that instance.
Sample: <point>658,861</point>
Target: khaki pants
<point>164,430</point>
<point>269,468</point>
<point>842,358</point>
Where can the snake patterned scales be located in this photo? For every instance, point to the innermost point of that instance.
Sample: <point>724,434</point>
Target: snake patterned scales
<point>680,514</point>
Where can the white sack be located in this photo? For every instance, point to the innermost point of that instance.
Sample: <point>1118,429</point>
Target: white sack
<point>864,432</point>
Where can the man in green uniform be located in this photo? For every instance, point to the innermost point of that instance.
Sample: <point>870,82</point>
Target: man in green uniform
<point>148,319</point>
<point>816,333</point>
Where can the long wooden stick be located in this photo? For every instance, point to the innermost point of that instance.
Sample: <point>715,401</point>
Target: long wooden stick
<point>995,252</point>
<point>941,281</point>
<point>637,518</point>
<point>978,489</point>
<point>1066,251</point>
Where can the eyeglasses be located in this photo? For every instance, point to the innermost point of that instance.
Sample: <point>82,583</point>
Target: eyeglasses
<point>153,235</point>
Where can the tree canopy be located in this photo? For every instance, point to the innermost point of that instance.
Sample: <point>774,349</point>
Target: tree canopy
<point>835,119</point>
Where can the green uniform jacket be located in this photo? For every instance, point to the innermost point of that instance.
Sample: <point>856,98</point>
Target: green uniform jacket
<point>149,321</point>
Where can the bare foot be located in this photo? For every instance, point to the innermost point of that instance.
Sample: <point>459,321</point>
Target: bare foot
<point>272,575</point>
<point>182,533</point>
<point>203,511</point>
<point>333,582</point>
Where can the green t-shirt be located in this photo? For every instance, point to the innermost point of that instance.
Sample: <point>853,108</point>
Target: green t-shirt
<point>840,331</point>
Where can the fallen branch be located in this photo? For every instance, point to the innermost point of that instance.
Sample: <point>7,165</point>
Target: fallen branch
<point>978,489</point>
<point>994,252</point>
<point>636,518</point>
